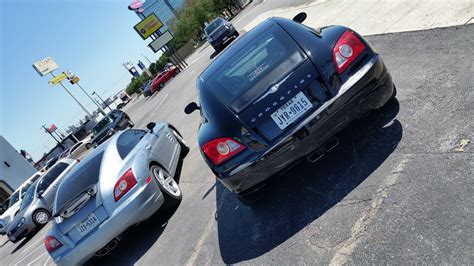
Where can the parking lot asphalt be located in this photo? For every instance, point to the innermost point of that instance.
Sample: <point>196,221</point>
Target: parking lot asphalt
<point>393,191</point>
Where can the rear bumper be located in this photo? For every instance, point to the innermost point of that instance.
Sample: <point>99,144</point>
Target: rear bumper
<point>369,88</point>
<point>224,38</point>
<point>138,207</point>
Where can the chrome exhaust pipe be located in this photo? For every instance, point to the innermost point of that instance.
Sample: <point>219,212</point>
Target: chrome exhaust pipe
<point>331,144</point>
<point>314,156</point>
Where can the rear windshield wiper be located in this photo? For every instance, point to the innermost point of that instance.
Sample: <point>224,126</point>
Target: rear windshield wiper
<point>75,204</point>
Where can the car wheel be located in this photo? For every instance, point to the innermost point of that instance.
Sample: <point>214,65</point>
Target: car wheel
<point>41,217</point>
<point>131,124</point>
<point>168,186</point>
<point>161,86</point>
<point>88,146</point>
<point>181,141</point>
<point>394,93</point>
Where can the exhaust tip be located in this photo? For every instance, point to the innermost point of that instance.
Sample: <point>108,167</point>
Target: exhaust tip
<point>331,144</point>
<point>316,155</point>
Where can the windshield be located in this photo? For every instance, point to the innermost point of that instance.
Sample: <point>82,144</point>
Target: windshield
<point>101,125</point>
<point>51,176</point>
<point>15,197</point>
<point>28,197</point>
<point>213,25</point>
<point>256,67</point>
<point>82,177</point>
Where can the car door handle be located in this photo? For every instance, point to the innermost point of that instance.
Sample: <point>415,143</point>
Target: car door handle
<point>148,147</point>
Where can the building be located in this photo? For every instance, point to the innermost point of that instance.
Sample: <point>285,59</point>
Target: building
<point>164,10</point>
<point>14,169</point>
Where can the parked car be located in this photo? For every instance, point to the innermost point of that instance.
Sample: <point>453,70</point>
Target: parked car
<point>147,88</point>
<point>14,201</point>
<point>220,32</point>
<point>75,150</point>
<point>121,183</point>
<point>164,76</point>
<point>114,121</point>
<point>35,209</point>
<point>280,93</point>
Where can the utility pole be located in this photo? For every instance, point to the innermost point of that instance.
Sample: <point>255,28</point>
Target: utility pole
<point>74,97</point>
<point>146,58</point>
<point>102,100</point>
<point>90,97</point>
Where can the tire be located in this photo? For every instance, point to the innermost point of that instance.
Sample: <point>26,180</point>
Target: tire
<point>131,124</point>
<point>168,186</point>
<point>161,86</point>
<point>41,217</point>
<point>181,141</point>
<point>394,94</point>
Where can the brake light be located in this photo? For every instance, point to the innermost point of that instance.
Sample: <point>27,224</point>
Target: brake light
<point>52,244</point>
<point>124,184</point>
<point>346,50</point>
<point>222,149</point>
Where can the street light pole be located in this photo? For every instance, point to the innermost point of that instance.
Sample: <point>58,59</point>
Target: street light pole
<point>146,58</point>
<point>102,100</point>
<point>74,97</point>
<point>90,97</point>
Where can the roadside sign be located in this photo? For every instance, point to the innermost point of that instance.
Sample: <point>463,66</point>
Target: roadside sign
<point>45,66</point>
<point>69,74</point>
<point>141,65</point>
<point>74,80</point>
<point>52,128</point>
<point>161,41</point>
<point>148,26</point>
<point>57,79</point>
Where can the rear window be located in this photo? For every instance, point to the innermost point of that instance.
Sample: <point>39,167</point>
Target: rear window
<point>128,140</point>
<point>102,124</point>
<point>83,176</point>
<point>213,25</point>
<point>256,67</point>
<point>51,175</point>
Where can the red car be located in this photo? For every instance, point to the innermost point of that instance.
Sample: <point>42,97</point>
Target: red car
<point>163,77</point>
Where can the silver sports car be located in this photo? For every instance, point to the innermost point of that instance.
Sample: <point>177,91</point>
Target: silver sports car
<point>121,183</point>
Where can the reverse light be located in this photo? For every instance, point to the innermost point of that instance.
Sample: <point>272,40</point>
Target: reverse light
<point>346,50</point>
<point>124,184</point>
<point>52,244</point>
<point>222,149</point>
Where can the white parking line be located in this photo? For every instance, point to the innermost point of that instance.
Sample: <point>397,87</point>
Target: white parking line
<point>31,253</point>
<point>47,260</point>
<point>39,257</point>
<point>159,104</point>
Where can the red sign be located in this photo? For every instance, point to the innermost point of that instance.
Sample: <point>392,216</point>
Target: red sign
<point>52,128</point>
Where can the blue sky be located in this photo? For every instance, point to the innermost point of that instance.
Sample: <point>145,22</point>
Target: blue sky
<point>91,38</point>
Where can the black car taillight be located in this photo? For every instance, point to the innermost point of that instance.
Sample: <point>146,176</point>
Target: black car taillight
<point>346,50</point>
<point>222,149</point>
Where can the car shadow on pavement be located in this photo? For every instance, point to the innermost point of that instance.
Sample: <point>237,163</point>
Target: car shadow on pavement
<point>306,192</point>
<point>25,240</point>
<point>137,240</point>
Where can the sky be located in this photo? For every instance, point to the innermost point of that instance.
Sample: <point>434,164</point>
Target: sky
<point>91,38</point>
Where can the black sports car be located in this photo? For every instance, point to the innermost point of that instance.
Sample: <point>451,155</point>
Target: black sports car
<point>281,92</point>
<point>111,123</point>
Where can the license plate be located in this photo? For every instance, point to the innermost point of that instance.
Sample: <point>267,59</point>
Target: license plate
<point>86,225</point>
<point>291,110</point>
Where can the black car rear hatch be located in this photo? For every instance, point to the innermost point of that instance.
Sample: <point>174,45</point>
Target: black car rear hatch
<point>269,85</point>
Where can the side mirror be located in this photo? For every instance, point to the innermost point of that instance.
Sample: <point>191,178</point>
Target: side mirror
<point>300,17</point>
<point>191,107</point>
<point>151,126</point>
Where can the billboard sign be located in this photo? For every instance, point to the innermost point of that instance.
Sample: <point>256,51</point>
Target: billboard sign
<point>161,41</point>
<point>57,79</point>
<point>73,79</point>
<point>45,66</point>
<point>148,26</point>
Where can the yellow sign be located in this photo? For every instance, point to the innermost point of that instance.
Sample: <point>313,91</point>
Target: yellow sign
<point>74,80</point>
<point>148,26</point>
<point>57,79</point>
